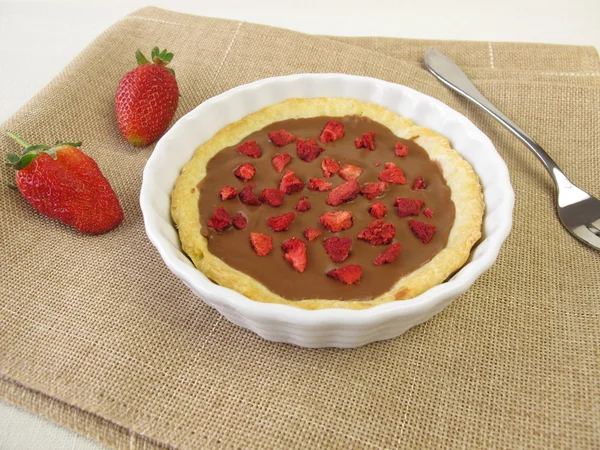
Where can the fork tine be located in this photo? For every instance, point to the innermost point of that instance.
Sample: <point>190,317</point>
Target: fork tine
<point>583,233</point>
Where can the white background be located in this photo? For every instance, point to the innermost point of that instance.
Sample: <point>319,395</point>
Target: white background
<point>40,37</point>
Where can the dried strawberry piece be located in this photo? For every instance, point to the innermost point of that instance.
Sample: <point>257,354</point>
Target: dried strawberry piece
<point>388,256</point>
<point>271,196</point>
<point>424,231</point>
<point>408,206</point>
<point>336,221</point>
<point>378,210</point>
<point>401,149</point>
<point>337,248</point>
<point>317,184</point>
<point>228,192</point>
<point>343,193</point>
<point>261,243</point>
<point>290,183</point>
<point>247,196</point>
<point>303,205</point>
<point>428,213</point>
<point>281,222</point>
<point>311,233</point>
<point>332,132</point>
<point>281,138</point>
<point>377,164</point>
<point>419,183</point>
<point>250,149</point>
<point>245,172</point>
<point>392,174</point>
<point>308,150</point>
<point>220,219</point>
<point>295,253</point>
<point>239,221</point>
<point>367,140</point>
<point>281,160</point>
<point>372,190</point>
<point>329,167</point>
<point>378,233</point>
<point>350,172</point>
<point>348,274</point>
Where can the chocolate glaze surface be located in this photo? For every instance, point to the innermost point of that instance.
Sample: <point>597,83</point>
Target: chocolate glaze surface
<point>233,246</point>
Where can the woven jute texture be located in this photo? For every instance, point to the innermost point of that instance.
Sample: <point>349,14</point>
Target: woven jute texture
<point>97,334</point>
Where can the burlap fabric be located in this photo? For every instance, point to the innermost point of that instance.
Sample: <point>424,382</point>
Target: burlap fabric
<point>98,335</point>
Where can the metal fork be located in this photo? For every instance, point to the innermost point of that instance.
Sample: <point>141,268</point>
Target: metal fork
<point>578,211</point>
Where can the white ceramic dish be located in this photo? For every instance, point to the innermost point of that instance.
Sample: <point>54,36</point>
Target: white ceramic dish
<point>326,327</point>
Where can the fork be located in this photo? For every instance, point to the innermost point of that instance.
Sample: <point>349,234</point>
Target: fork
<point>578,211</point>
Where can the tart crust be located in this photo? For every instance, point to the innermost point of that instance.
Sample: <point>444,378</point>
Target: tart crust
<point>466,193</point>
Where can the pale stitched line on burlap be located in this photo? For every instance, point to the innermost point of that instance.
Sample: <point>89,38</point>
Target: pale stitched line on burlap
<point>491,52</point>
<point>149,19</point>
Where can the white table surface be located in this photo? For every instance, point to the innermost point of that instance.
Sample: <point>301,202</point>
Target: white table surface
<point>40,37</point>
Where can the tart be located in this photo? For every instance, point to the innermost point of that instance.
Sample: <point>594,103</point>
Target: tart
<point>327,203</point>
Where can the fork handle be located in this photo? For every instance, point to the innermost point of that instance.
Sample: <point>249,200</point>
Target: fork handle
<point>452,76</point>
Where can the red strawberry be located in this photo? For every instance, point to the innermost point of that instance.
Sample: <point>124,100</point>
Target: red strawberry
<point>343,193</point>
<point>332,132</point>
<point>337,248</point>
<point>228,192</point>
<point>64,183</point>
<point>329,167</point>
<point>250,148</point>
<point>146,99</point>
<point>336,221</point>
<point>372,190</point>
<point>247,196</point>
<point>388,256</point>
<point>317,184</point>
<point>367,141</point>
<point>392,174</point>
<point>428,213</point>
<point>423,231</point>
<point>295,253</point>
<point>311,234</point>
<point>261,243</point>
<point>401,149</point>
<point>281,160</point>
<point>378,210</point>
<point>378,233</point>
<point>281,222</point>
<point>281,138</point>
<point>408,206</point>
<point>271,196</point>
<point>419,184</point>
<point>220,219</point>
<point>239,221</point>
<point>303,205</point>
<point>350,172</point>
<point>245,171</point>
<point>308,150</point>
<point>290,183</point>
<point>348,274</point>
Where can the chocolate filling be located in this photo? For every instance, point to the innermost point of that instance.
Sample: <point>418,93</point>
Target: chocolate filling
<point>233,246</point>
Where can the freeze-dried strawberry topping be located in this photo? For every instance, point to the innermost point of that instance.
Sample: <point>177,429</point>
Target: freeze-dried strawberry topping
<point>378,233</point>
<point>295,253</point>
<point>337,248</point>
<point>245,172</point>
<point>378,210</point>
<point>308,150</point>
<point>408,206</point>
<point>317,184</point>
<point>423,231</point>
<point>367,141</point>
<point>343,193</point>
<point>336,221</point>
<point>419,183</point>
<point>372,190</point>
<point>388,256</point>
<point>281,160</point>
<point>239,221</point>
<point>348,274</point>
<point>220,219</point>
<point>428,213</point>
<point>392,174</point>
<point>311,233</point>
<point>250,149</point>
<point>228,192</point>
<point>332,132</point>
<point>350,172</point>
<point>281,222</point>
<point>271,196</point>
<point>303,205</point>
<point>401,149</point>
<point>261,243</point>
<point>329,167</point>
<point>247,196</point>
<point>290,183</point>
<point>281,138</point>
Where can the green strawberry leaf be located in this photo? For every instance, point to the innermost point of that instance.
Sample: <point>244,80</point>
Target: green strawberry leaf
<point>18,139</point>
<point>35,148</point>
<point>12,186</point>
<point>155,52</point>
<point>168,57</point>
<point>70,144</point>
<point>140,58</point>
<point>25,160</point>
<point>13,158</point>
